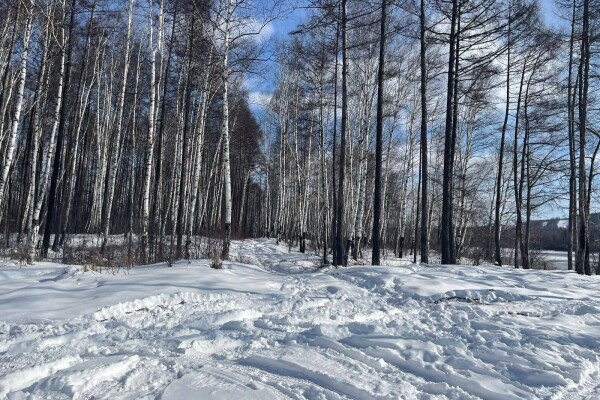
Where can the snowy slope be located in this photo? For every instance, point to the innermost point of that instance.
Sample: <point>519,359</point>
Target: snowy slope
<point>278,330</point>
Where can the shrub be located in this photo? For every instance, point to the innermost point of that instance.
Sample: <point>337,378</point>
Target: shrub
<point>216,263</point>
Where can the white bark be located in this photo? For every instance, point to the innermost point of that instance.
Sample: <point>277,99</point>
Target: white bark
<point>202,115</point>
<point>40,97</point>
<point>225,133</point>
<point>83,100</point>
<point>112,171</point>
<point>50,148</point>
<point>150,139</point>
<point>16,118</point>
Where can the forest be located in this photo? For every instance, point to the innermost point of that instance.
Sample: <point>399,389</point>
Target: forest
<point>441,129</point>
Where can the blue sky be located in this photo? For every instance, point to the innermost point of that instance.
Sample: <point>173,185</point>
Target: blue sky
<point>261,86</point>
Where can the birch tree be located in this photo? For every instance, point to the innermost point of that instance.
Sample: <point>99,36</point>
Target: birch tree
<point>376,256</point>
<point>151,134</point>
<point>16,116</point>
<point>50,148</point>
<point>116,155</point>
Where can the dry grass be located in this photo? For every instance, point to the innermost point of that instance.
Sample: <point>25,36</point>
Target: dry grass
<point>216,263</point>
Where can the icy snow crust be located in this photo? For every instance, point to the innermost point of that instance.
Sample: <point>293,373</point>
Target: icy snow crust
<point>278,329</point>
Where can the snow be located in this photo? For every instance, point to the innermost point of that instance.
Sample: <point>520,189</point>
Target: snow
<point>271,326</point>
<point>563,223</point>
<point>556,259</point>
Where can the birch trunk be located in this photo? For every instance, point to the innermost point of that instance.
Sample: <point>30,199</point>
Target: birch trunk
<point>16,117</point>
<point>5,97</point>
<point>157,205</point>
<point>225,134</point>
<point>50,149</point>
<point>39,100</point>
<point>198,160</point>
<point>60,139</point>
<point>184,152</point>
<point>116,156</point>
<point>81,108</point>
<point>149,141</point>
<point>324,193</point>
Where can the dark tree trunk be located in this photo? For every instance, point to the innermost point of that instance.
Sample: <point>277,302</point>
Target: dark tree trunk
<point>156,213</point>
<point>424,155</point>
<point>51,213</point>
<point>453,140</point>
<point>446,226</point>
<point>497,222</point>
<point>184,151</point>
<point>341,255</point>
<point>334,150</point>
<point>583,251</point>
<point>526,175</point>
<point>375,260</point>
<point>572,156</point>
<point>518,199</point>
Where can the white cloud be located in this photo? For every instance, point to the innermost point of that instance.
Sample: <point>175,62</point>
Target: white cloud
<point>259,99</point>
<point>265,31</point>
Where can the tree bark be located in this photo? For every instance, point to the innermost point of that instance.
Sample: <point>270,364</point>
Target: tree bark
<point>50,149</point>
<point>424,155</point>
<point>149,142</point>
<point>376,235</point>
<point>16,117</point>
<point>518,199</point>
<point>497,216</point>
<point>184,151</point>
<point>51,213</point>
<point>572,156</point>
<point>583,252</point>
<point>343,132</point>
<point>225,136</point>
<point>446,228</point>
<point>116,156</point>
<point>334,191</point>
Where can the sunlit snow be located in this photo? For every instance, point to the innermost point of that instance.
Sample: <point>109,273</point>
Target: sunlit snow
<point>270,326</point>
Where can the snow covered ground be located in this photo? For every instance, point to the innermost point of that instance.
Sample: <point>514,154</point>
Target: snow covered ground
<point>556,259</point>
<point>276,328</point>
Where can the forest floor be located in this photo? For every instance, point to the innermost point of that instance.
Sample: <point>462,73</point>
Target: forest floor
<point>271,326</point>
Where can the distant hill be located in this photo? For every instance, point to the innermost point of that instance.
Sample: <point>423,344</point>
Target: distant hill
<point>556,223</point>
<point>551,234</point>
<point>548,234</point>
